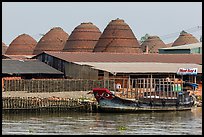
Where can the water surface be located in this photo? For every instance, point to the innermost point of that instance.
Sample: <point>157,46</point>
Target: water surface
<point>80,123</point>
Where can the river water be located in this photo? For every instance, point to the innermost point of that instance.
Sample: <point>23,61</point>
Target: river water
<point>80,123</point>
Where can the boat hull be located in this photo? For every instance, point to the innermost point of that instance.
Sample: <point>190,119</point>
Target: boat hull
<point>146,109</point>
<point>108,102</point>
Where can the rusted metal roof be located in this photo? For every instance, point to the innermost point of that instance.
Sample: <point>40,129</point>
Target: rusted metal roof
<point>139,67</point>
<point>24,44</point>
<point>53,40</point>
<point>185,38</point>
<point>152,44</point>
<point>83,38</point>
<point>4,48</point>
<point>118,37</point>
<point>126,57</point>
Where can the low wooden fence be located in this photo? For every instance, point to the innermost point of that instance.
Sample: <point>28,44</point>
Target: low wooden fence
<point>56,85</point>
<point>149,87</point>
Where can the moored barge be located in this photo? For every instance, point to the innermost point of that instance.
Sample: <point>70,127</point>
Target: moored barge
<point>156,100</point>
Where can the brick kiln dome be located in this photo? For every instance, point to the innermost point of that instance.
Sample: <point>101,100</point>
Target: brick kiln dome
<point>118,37</point>
<point>4,48</point>
<point>22,45</point>
<point>83,38</point>
<point>152,43</point>
<point>53,40</point>
<point>184,38</point>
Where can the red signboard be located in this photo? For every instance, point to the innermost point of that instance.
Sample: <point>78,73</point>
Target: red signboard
<point>187,71</point>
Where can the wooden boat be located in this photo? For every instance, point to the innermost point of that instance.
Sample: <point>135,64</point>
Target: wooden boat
<point>109,102</point>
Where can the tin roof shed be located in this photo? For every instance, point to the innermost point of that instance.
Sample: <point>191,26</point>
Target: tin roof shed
<point>124,57</point>
<point>11,67</point>
<point>195,48</point>
<point>140,67</point>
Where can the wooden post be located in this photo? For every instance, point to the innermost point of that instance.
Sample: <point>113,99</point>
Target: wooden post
<point>17,85</point>
<point>167,90</point>
<point>148,86</point>
<point>171,88</point>
<point>75,82</point>
<point>144,87</point>
<point>182,83</point>
<point>136,89</point>
<point>123,92</point>
<point>14,84</point>
<point>195,79</point>
<point>131,88</point>
<point>151,86</point>
<point>127,88</point>
<point>140,87</point>
<point>159,88</point>
<point>154,87</point>
<point>104,83</point>
<point>163,88</point>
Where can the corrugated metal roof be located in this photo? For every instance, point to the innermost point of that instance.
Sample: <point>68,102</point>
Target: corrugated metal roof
<point>126,57</point>
<point>140,67</point>
<point>188,46</point>
<point>19,56</point>
<point>26,67</point>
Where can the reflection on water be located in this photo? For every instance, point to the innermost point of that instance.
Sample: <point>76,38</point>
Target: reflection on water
<point>152,123</point>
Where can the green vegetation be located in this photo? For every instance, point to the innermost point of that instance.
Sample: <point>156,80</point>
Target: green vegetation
<point>121,128</point>
<point>199,98</point>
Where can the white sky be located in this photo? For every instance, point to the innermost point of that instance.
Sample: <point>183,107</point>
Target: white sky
<point>154,18</point>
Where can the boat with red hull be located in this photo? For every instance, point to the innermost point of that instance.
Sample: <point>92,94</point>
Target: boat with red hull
<point>109,102</point>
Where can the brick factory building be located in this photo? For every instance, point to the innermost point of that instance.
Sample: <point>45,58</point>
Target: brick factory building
<point>83,38</point>
<point>53,40</point>
<point>118,37</point>
<point>184,38</point>
<point>152,44</point>
<point>24,44</point>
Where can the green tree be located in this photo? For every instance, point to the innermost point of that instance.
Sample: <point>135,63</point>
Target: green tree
<point>145,37</point>
<point>183,32</point>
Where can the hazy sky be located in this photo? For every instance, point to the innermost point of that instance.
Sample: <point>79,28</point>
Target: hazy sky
<point>154,18</point>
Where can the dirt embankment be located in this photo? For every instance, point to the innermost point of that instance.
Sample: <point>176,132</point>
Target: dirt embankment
<point>69,94</point>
